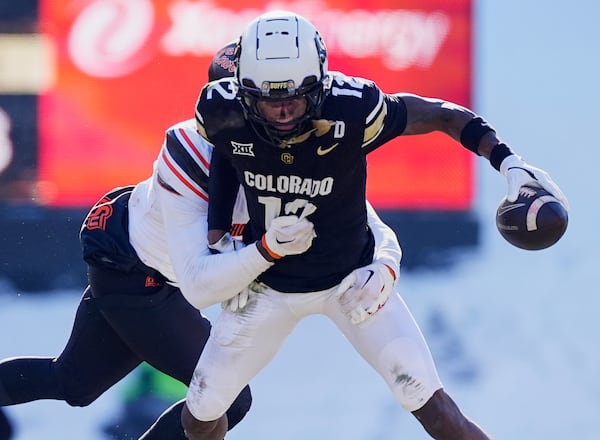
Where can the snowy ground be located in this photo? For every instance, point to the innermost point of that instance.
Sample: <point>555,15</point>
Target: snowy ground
<point>514,333</point>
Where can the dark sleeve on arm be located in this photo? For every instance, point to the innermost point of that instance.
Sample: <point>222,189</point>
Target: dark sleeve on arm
<point>396,118</point>
<point>393,123</point>
<point>223,187</point>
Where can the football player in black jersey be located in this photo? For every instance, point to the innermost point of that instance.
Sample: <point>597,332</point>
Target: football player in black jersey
<point>296,136</point>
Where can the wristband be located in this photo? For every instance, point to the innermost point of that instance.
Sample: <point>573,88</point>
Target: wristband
<point>265,251</point>
<point>498,154</point>
<point>472,133</point>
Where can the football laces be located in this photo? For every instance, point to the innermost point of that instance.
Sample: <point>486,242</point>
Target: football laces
<point>526,191</point>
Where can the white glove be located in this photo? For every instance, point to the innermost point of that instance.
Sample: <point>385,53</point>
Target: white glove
<point>239,301</point>
<point>226,244</point>
<point>365,290</point>
<point>519,173</point>
<point>288,235</point>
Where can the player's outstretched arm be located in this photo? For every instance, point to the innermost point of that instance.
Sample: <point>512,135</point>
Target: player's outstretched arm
<point>425,115</point>
<point>207,279</point>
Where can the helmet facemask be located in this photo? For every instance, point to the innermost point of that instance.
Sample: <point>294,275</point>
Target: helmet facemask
<point>281,57</point>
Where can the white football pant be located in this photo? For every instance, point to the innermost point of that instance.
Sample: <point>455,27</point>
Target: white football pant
<point>244,342</point>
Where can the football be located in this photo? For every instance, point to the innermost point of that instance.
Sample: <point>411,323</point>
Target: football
<point>536,220</point>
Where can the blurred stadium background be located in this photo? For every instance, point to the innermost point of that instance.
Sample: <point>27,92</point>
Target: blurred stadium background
<point>88,87</point>
<point>104,79</point>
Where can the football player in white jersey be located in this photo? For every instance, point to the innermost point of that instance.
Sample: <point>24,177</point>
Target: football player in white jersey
<point>296,136</point>
<point>133,310</point>
<point>150,272</point>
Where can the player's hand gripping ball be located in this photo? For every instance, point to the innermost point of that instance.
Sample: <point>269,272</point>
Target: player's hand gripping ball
<point>536,220</point>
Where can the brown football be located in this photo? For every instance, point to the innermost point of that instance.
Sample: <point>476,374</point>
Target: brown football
<point>536,220</point>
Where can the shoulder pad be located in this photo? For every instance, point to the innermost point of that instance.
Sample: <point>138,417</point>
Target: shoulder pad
<point>218,107</point>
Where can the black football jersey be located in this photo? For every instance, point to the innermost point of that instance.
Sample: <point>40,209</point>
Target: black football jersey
<point>320,173</point>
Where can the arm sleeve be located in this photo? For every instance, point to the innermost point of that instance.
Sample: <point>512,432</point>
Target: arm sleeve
<point>387,247</point>
<point>204,278</point>
<point>385,119</point>
<point>223,187</point>
<point>180,194</point>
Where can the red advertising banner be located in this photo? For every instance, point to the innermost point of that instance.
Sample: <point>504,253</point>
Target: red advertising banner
<point>125,70</point>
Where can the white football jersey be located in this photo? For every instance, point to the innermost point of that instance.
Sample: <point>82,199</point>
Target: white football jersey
<point>168,223</point>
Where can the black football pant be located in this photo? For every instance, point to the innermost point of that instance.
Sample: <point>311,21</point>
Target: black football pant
<point>122,320</point>
<point>6,429</point>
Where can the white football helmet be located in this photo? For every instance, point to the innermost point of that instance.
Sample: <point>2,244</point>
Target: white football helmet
<point>281,55</point>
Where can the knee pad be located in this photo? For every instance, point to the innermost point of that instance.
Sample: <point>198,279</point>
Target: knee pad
<point>207,403</point>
